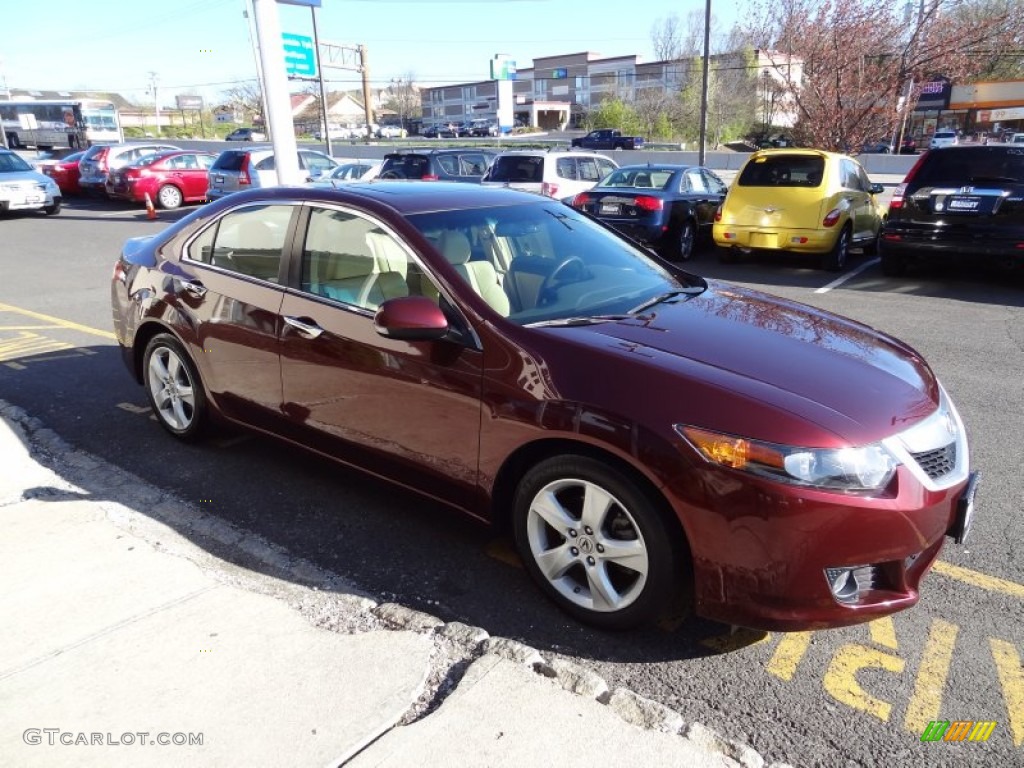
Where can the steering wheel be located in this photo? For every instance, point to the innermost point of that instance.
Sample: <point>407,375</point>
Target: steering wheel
<point>392,174</point>
<point>546,291</point>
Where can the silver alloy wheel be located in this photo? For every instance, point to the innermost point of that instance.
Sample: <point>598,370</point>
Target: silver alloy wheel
<point>686,240</point>
<point>169,196</point>
<point>591,551</point>
<point>172,388</point>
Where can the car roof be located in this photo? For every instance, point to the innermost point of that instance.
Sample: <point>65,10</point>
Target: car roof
<point>656,167</point>
<point>403,197</point>
<point>437,151</point>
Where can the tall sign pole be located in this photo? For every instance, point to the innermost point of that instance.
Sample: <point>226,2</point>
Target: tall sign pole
<point>279,112</point>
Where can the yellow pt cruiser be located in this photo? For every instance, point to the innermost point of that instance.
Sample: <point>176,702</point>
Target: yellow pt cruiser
<point>804,201</point>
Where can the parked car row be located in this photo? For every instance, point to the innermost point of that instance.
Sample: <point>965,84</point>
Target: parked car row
<point>956,198</point>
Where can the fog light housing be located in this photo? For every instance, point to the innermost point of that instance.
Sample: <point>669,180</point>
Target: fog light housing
<point>847,583</point>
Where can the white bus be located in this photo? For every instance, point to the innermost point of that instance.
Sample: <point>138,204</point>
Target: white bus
<point>71,123</point>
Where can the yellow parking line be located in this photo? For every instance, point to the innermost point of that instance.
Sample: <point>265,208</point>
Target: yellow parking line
<point>926,700</point>
<point>788,653</point>
<point>1011,676</point>
<point>57,321</point>
<point>990,583</point>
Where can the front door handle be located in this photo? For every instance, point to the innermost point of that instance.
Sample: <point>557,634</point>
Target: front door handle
<point>308,329</point>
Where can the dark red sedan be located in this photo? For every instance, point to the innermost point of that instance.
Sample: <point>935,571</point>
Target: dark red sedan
<point>64,171</point>
<point>169,178</point>
<point>646,434</point>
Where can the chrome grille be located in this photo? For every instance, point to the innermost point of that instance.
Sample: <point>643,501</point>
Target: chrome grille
<point>937,463</point>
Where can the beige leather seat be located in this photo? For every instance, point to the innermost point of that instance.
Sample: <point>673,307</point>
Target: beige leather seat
<point>481,275</point>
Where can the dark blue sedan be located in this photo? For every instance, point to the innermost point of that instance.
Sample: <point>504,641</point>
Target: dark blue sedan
<point>667,207</point>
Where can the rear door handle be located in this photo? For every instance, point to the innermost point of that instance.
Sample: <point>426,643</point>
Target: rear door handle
<point>308,329</point>
<point>193,287</point>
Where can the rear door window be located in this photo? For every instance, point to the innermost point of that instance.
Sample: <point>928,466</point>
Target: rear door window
<point>517,169</point>
<point>247,241</point>
<point>565,168</point>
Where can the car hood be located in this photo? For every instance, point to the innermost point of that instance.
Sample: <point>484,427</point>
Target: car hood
<point>20,177</point>
<point>760,366</point>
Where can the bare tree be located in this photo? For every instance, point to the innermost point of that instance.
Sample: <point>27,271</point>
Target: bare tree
<point>245,97</point>
<point>859,57</point>
<point>666,38</point>
<point>403,97</point>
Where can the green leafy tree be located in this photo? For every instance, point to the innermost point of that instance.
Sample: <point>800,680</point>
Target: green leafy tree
<point>614,113</point>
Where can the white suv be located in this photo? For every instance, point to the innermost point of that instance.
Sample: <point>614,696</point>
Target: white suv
<point>556,173</point>
<point>943,139</point>
<point>236,169</point>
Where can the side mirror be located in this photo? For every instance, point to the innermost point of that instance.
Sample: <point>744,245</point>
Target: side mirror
<point>410,318</point>
<point>876,189</point>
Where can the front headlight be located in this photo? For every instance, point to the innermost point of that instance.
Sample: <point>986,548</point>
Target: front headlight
<point>860,468</point>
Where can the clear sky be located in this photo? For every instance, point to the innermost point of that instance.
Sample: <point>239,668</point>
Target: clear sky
<point>202,46</point>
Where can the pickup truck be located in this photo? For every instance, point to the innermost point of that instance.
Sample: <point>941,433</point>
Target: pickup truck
<point>608,138</point>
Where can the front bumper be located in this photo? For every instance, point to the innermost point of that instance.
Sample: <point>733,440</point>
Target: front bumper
<point>771,555</point>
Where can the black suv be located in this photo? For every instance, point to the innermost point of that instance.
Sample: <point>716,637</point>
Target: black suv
<point>958,201</point>
<point>437,164</point>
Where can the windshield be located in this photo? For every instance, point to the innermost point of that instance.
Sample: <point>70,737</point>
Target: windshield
<point>552,262</point>
<point>11,163</point>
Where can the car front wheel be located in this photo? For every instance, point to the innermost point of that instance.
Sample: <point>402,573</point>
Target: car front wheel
<point>174,388</point>
<point>594,542</point>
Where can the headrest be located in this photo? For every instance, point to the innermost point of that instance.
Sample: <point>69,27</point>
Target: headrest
<point>455,247</point>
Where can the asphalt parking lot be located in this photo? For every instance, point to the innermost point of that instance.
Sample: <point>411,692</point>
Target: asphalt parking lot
<point>827,698</point>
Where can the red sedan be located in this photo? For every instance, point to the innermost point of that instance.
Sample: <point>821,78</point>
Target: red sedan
<point>169,178</point>
<point>64,172</point>
<point>645,434</point>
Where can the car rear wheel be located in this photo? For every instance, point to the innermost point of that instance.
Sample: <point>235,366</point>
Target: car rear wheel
<point>594,542</point>
<point>836,259</point>
<point>169,196</point>
<point>685,242</point>
<point>174,388</point>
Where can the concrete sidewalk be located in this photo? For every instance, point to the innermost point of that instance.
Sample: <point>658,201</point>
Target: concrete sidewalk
<point>142,631</point>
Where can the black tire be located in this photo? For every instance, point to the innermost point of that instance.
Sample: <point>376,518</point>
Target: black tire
<point>169,197</point>
<point>684,243</point>
<point>836,259</point>
<point>726,255</point>
<point>174,388</point>
<point>583,555</point>
<point>53,210</point>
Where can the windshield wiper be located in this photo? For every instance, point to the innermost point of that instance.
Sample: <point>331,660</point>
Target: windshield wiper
<point>581,320</point>
<point>663,298</point>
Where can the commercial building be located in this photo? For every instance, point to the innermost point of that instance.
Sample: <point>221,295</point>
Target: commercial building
<point>558,91</point>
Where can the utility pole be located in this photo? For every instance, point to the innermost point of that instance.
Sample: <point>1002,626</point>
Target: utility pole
<point>365,69</point>
<point>153,79</point>
<point>704,84</point>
